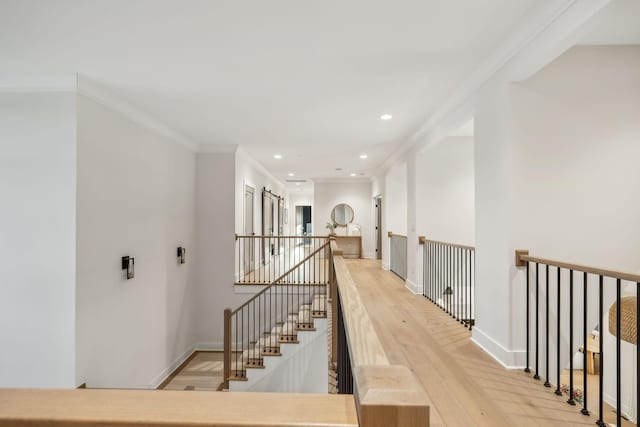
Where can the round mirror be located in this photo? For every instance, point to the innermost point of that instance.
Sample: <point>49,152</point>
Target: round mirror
<point>342,214</point>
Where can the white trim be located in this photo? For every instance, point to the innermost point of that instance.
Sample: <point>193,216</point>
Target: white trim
<point>413,287</point>
<point>509,359</point>
<point>355,179</point>
<point>90,90</point>
<point>217,148</point>
<point>626,409</point>
<point>386,267</point>
<point>241,153</point>
<point>158,379</point>
<point>26,82</point>
<point>209,346</point>
<point>568,15</point>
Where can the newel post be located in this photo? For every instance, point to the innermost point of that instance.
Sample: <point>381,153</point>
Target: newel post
<point>422,240</point>
<point>227,347</point>
<point>519,254</point>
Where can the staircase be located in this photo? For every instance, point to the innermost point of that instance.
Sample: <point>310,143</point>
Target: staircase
<point>274,327</point>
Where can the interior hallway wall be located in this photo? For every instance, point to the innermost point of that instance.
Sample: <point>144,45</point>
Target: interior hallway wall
<point>394,206</point>
<point>215,256</point>
<point>136,197</point>
<point>576,145</point>
<point>445,195</point>
<point>355,194</point>
<point>37,239</point>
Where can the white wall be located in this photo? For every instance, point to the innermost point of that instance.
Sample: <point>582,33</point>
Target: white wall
<point>136,197</point>
<point>355,194</point>
<point>394,206</point>
<point>576,147</point>
<point>445,195</point>
<point>250,172</point>
<point>215,246</point>
<point>37,239</point>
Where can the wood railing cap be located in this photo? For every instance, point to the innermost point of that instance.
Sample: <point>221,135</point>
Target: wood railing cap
<point>422,240</point>
<point>390,395</point>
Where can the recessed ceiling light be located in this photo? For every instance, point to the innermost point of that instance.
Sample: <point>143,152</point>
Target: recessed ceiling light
<point>386,117</point>
<point>363,156</point>
<point>291,174</point>
<point>338,169</point>
<point>277,156</point>
<point>353,174</point>
<point>297,183</point>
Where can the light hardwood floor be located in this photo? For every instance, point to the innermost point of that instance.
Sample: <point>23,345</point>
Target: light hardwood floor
<point>203,371</point>
<point>467,387</point>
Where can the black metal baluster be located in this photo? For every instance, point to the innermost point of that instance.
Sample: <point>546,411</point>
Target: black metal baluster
<point>546,323</point>
<point>571,401</point>
<point>558,389</point>
<point>536,376</point>
<point>527,369</point>
<point>465,258</point>
<point>585,409</point>
<point>600,421</point>
<point>618,354</point>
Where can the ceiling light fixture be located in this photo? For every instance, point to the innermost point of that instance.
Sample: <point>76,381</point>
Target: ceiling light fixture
<point>277,156</point>
<point>363,156</point>
<point>353,174</point>
<point>386,117</point>
<point>291,174</point>
<point>297,183</point>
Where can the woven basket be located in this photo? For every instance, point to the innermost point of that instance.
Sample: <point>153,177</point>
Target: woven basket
<point>628,331</point>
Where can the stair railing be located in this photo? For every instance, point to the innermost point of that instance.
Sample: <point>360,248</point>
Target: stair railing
<point>449,278</point>
<point>398,254</point>
<point>273,315</point>
<point>262,259</point>
<point>623,325</point>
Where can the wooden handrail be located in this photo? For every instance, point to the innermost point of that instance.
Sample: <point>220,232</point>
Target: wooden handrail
<point>282,276</point>
<point>386,395</point>
<point>522,257</point>
<point>151,408</point>
<point>423,240</point>
<point>392,234</point>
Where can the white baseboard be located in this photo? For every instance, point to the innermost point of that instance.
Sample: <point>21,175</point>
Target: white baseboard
<point>369,255</point>
<point>209,346</point>
<point>626,408</point>
<point>413,287</point>
<point>509,359</point>
<point>158,379</point>
<point>386,266</point>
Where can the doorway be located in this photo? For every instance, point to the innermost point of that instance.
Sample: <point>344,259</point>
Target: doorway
<point>378,214</point>
<point>303,221</point>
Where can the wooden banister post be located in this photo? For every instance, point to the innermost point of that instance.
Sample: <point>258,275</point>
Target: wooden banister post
<point>519,261</point>
<point>227,347</point>
<point>422,240</point>
<point>389,233</point>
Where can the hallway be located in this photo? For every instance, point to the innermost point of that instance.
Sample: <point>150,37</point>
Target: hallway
<point>467,387</point>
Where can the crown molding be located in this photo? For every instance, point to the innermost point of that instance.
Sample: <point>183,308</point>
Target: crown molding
<point>549,25</point>
<point>32,82</point>
<point>242,154</point>
<point>92,91</point>
<point>352,180</point>
<point>217,148</point>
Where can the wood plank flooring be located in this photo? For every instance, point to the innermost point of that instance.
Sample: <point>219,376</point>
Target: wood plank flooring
<point>203,371</point>
<point>467,386</point>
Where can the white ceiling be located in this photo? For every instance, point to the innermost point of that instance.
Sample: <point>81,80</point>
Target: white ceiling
<point>618,23</point>
<point>305,79</point>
